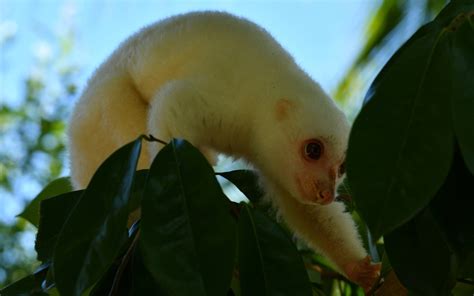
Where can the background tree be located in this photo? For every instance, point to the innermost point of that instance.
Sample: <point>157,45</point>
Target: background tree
<point>32,144</point>
<point>390,23</point>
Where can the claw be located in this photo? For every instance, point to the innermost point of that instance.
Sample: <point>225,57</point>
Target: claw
<point>363,272</point>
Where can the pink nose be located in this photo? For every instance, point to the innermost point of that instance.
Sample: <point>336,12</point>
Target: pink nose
<point>325,197</point>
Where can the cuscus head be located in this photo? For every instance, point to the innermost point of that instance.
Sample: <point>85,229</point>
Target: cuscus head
<point>302,147</point>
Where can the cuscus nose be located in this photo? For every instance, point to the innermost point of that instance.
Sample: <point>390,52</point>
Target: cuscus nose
<point>325,197</point>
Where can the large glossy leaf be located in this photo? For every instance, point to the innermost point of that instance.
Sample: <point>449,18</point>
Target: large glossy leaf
<point>55,211</point>
<point>142,281</point>
<point>453,210</point>
<point>53,214</point>
<point>29,285</point>
<point>463,289</point>
<point>454,9</point>
<point>269,262</point>
<point>137,190</point>
<point>461,43</point>
<point>104,285</point>
<point>430,251</point>
<point>188,236</point>
<point>56,187</point>
<point>247,182</point>
<point>421,257</point>
<point>96,228</point>
<point>118,279</point>
<point>401,144</point>
<point>467,270</point>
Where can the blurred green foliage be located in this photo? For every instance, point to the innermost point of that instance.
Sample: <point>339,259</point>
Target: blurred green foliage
<point>388,26</point>
<point>15,260</point>
<point>32,144</point>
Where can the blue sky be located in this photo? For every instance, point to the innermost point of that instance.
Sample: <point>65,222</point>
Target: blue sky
<point>323,36</point>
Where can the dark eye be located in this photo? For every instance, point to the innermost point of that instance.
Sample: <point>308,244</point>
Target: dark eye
<point>313,149</point>
<point>342,169</point>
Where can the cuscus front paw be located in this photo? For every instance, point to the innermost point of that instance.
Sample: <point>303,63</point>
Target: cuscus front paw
<point>363,272</point>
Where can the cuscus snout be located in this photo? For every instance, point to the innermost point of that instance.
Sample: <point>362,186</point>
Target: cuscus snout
<point>325,197</point>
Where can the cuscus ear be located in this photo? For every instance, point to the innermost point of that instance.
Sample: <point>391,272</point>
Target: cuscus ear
<point>283,108</point>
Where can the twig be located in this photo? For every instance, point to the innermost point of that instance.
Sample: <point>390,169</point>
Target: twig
<point>151,138</point>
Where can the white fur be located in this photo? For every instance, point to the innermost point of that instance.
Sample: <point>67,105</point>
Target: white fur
<point>215,80</point>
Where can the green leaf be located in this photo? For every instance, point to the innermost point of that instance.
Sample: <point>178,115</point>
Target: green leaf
<point>454,9</point>
<point>119,276</point>
<point>55,211</point>
<point>421,257</point>
<point>429,252</point>
<point>29,285</point>
<point>56,187</point>
<point>142,281</point>
<point>247,182</point>
<point>463,289</point>
<point>188,236</point>
<point>96,228</point>
<point>401,144</point>
<point>137,190</point>
<point>467,269</point>
<point>53,214</point>
<point>386,265</point>
<point>269,262</point>
<point>104,285</point>
<point>366,237</point>
<point>452,208</point>
<point>235,286</point>
<point>461,44</point>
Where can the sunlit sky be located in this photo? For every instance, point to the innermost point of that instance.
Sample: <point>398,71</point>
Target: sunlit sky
<point>323,36</point>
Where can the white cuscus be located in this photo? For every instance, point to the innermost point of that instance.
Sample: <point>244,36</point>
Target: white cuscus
<point>224,84</point>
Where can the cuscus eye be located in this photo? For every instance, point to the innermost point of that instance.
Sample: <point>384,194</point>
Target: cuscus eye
<point>313,149</point>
